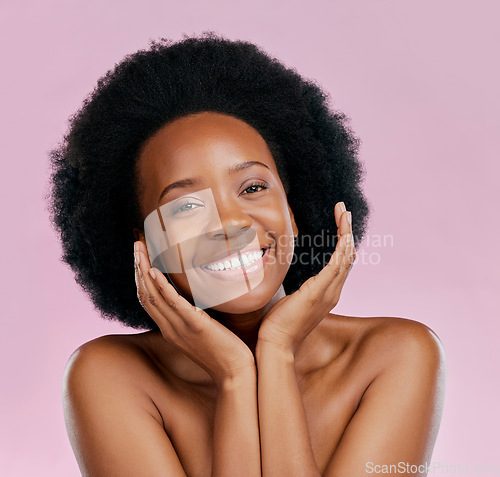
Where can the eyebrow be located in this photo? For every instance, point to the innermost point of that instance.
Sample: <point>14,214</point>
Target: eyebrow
<point>184,183</point>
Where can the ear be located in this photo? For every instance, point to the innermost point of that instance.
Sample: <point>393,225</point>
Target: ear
<point>294,225</point>
<point>139,235</point>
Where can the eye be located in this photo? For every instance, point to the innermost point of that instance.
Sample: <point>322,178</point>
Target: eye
<point>186,207</point>
<point>256,185</point>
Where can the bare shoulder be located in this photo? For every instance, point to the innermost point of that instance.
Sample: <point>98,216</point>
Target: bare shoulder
<point>394,371</point>
<point>113,424</point>
<point>404,339</point>
<point>108,366</point>
<point>121,355</point>
<point>388,342</point>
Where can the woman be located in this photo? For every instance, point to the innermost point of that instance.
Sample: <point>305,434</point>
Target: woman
<point>243,369</point>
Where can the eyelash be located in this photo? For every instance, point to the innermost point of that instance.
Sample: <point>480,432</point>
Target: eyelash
<point>263,185</point>
<point>257,184</point>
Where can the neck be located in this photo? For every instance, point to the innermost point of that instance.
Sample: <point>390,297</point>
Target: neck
<point>246,325</point>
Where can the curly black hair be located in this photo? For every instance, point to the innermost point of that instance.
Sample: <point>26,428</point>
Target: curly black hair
<point>93,184</point>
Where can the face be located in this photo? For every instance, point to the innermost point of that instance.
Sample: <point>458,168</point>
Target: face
<point>213,181</point>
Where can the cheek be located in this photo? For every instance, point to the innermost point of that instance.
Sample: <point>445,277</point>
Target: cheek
<point>283,240</point>
<point>181,284</point>
<point>278,224</point>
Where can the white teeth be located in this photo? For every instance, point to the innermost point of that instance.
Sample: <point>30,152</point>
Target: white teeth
<point>234,264</point>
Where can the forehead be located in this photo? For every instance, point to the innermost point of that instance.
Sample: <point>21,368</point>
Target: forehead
<point>205,140</point>
<point>202,145</point>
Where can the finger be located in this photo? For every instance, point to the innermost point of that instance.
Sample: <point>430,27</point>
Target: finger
<point>334,265</point>
<point>139,282</point>
<point>144,299</point>
<point>336,286</point>
<point>318,288</point>
<point>338,210</point>
<point>329,281</point>
<point>343,225</point>
<point>152,298</point>
<point>185,313</point>
<point>153,286</point>
<point>164,298</point>
<point>347,261</point>
<point>342,259</point>
<point>139,263</point>
<point>335,289</point>
<point>333,268</point>
<point>142,254</point>
<point>343,228</point>
<point>350,255</point>
<point>345,231</point>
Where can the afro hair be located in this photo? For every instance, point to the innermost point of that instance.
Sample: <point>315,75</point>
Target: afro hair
<point>93,184</point>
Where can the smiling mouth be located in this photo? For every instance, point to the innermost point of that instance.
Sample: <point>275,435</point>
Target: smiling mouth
<point>232,262</point>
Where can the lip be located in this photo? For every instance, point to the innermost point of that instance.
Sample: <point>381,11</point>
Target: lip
<point>236,275</point>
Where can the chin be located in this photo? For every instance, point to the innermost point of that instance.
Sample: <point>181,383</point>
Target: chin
<point>251,301</point>
<point>239,306</point>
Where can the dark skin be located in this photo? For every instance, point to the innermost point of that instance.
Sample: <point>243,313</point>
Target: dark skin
<point>262,210</point>
<point>281,387</point>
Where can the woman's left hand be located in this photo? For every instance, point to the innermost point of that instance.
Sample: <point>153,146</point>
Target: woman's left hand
<point>292,318</point>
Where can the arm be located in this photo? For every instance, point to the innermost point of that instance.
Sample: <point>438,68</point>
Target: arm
<point>236,448</point>
<point>113,426</point>
<point>396,423</point>
<point>116,430</point>
<point>230,363</point>
<point>398,417</point>
<point>286,446</point>
<point>285,442</point>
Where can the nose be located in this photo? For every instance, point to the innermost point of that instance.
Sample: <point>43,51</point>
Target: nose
<point>234,220</point>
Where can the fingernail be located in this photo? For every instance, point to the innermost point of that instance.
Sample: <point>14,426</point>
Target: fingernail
<point>152,273</point>
<point>136,246</point>
<point>137,258</point>
<point>342,207</point>
<point>349,218</point>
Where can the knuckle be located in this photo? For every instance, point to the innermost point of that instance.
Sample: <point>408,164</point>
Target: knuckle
<point>352,256</point>
<point>337,270</point>
<point>314,299</point>
<point>195,327</point>
<point>153,300</point>
<point>196,322</point>
<point>312,294</point>
<point>347,262</point>
<point>172,304</point>
<point>141,297</point>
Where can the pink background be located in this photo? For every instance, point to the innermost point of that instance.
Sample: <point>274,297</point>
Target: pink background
<point>419,80</point>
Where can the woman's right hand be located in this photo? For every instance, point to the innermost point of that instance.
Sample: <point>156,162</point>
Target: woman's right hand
<point>206,341</point>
